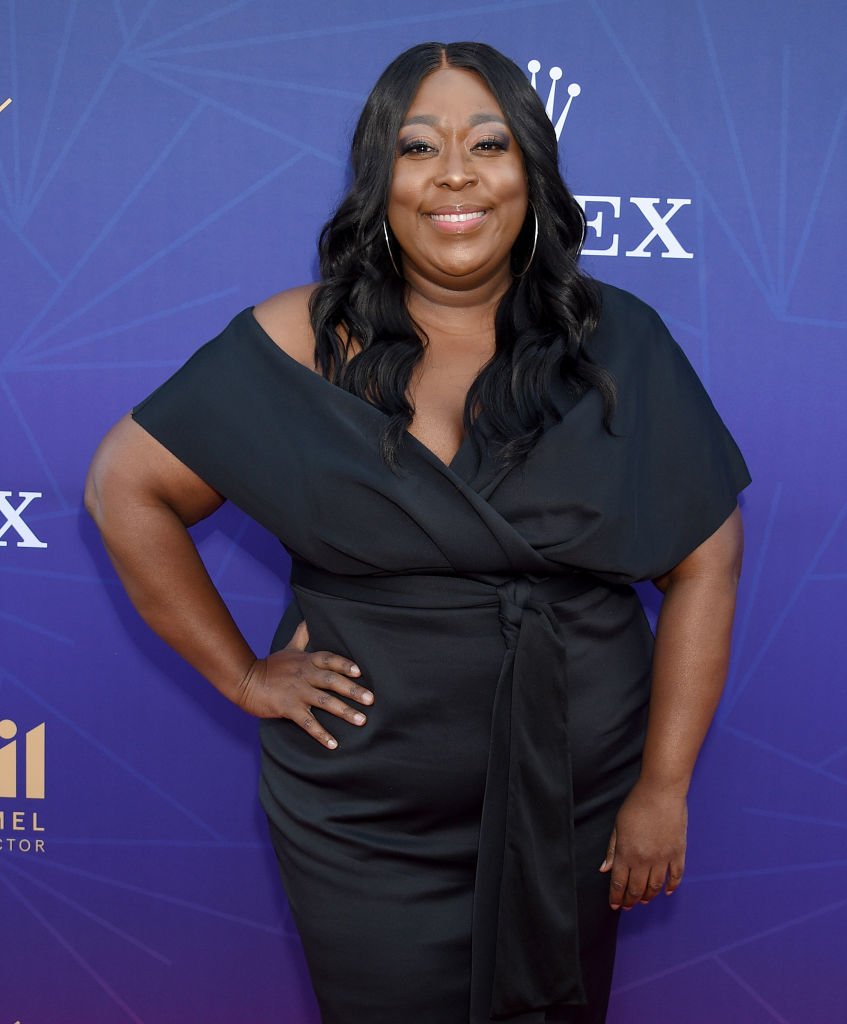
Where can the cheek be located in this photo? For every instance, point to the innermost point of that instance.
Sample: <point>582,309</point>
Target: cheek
<point>513,183</point>
<point>405,189</point>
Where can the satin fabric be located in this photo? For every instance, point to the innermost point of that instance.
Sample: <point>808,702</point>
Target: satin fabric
<point>441,864</point>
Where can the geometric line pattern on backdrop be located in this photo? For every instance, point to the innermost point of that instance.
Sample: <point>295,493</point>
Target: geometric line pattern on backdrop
<point>102,308</point>
<point>775,283</point>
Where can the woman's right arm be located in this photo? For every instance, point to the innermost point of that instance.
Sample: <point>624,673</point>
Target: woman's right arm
<point>143,500</point>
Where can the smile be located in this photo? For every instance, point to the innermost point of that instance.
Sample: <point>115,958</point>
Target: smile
<point>457,222</point>
<point>457,218</point>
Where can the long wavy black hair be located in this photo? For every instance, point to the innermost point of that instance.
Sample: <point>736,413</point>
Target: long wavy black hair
<point>542,319</point>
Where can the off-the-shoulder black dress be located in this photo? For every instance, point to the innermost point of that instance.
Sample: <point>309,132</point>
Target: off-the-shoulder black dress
<point>442,863</point>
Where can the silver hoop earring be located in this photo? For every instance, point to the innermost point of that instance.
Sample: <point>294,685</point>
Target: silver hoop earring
<point>388,246</point>
<point>534,244</point>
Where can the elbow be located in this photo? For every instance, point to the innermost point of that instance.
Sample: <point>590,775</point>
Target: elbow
<point>91,495</point>
<point>99,483</point>
<point>104,482</point>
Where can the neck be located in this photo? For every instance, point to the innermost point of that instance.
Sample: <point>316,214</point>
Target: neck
<point>455,310</point>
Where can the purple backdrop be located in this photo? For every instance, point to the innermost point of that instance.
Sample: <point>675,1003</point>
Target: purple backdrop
<point>163,165</point>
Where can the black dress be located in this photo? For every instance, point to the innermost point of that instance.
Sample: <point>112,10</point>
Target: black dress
<point>442,863</point>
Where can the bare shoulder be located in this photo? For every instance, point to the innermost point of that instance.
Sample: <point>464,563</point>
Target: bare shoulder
<point>284,317</point>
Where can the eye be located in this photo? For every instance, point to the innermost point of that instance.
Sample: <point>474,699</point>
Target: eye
<point>415,147</point>
<point>491,143</point>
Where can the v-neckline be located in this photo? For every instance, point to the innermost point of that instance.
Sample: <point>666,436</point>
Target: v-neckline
<point>451,466</point>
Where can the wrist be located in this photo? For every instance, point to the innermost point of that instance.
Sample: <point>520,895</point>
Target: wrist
<point>249,678</point>
<point>658,784</point>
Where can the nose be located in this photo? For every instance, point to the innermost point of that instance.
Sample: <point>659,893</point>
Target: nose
<point>455,167</point>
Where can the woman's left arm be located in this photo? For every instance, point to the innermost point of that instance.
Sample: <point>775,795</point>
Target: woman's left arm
<point>647,847</point>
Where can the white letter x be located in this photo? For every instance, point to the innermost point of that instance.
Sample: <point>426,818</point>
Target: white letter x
<point>673,250</point>
<point>13,519</point>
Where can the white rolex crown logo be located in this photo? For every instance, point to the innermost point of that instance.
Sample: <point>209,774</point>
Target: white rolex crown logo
<point>534,66</point>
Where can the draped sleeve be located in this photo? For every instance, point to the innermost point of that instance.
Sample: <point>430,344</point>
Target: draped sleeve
<point>224,416</point>
<point>680,468</point>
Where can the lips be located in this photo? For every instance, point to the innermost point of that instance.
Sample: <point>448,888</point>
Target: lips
<point>456,219</point>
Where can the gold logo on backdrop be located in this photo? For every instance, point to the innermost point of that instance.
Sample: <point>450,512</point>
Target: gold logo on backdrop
<point>3,106</point>
<point>21,831</point>
<point>34,748</point>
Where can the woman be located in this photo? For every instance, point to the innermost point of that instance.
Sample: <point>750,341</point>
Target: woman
<point>469,451</point>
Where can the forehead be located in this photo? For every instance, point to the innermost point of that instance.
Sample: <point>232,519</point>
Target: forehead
<point>453,95</point>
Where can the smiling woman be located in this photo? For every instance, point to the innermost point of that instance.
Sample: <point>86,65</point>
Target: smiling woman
<point>450,131</point>
<point>470,451</point>
<point>459,193</point>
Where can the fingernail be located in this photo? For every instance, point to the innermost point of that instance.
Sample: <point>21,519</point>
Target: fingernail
<point>358,718</point>
<point>615,906</point>
<point>602,866</point>
<point>367,697</point>
<point>332,743</point>
<point>355,670</point>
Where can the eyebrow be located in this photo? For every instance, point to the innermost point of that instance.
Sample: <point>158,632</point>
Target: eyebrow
<point>473,120</point>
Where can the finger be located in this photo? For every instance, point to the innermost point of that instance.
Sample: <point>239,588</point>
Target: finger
<point>655,882</point>
<point>675,873</point>
<point>617,886</point>
<point>344,666</point>
<point>314,728</point>
<point>300,638</point>
<point>335,679</point>
<point>635,887</point>
<point>610,851</point>
<point>327,702</point>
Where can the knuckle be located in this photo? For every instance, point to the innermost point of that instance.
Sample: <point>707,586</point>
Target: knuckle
<point>323,699</point>
<point>617,885</point>
<point>309,723</point>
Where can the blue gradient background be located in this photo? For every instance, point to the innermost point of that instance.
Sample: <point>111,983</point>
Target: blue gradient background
<point>163,165</point>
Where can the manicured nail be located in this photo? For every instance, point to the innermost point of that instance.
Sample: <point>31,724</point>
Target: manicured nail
<point>355,670</point>
<point>332,743</point>
<point>367,697</point>
<point>602,866</point>
<point>358,718</point>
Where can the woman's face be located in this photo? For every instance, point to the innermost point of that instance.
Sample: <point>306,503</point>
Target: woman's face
<point>458,195</point>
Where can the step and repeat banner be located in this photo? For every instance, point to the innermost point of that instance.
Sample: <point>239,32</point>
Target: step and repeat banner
<point>165,164</point>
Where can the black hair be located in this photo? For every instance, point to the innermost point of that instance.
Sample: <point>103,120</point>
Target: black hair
<point>543,318</point>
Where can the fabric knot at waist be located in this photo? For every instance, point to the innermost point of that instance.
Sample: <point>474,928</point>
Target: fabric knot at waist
<point>518,593</point>
<point>513,596</point>
<point>525,937</point>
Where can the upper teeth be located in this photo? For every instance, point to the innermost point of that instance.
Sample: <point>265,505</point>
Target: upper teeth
<point>457,216</point>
